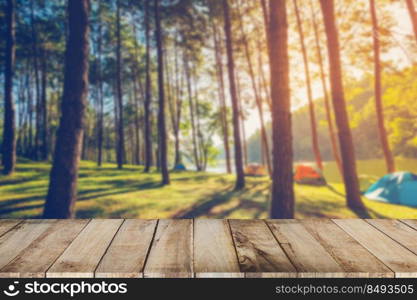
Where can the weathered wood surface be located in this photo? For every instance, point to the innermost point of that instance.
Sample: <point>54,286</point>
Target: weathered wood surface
<point>208,248</point>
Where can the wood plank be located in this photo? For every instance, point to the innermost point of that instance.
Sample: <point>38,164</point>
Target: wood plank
<point>44,250</point>
<point>81,258</point>
<point>398,231</point>
<point>20,237</point>
<point>402,261</point>
<point>346,251</point>
<point>258,252</point>
<point>7,224</point>
<point>126,255</point>
<point>214,252</point>
<point>305,252</point>
<point>171,254</point>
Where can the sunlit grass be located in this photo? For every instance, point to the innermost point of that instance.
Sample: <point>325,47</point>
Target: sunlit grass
<point>129,193</point>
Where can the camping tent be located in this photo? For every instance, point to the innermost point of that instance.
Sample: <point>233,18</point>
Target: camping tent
<point>255,170</point>
<point>305,174</point>
<point>180,167</point>
<point>398,188</point>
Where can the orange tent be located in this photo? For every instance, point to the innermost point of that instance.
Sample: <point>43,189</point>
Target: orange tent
<point>255,170</point>
<point>305,174</point>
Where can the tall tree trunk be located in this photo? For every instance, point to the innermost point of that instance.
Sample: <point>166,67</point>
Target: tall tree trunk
<point>192,115</point>
<point>148,96</point>
<point>313,122</point>
<point>282,198</point>
<point>332,134</point>
<point>163,147</point>
<point>120,128</point>
<point>44,109</point>
<point>218,51</point>
<point>35,49</point>
<point>413,15</point>
<point>100,119</point>
<point>258,100</point>
<point>240,176</point>
<point>350,176</point>
<point>62,193</point>
<point>9,135</point>
<point>389,159</point>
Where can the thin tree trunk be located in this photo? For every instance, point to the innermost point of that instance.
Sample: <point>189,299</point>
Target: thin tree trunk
<point>222,96</point>
<point>100,119</point>
<point>62,193</point>
<point>163,148</point>
<point>332,134</point>
<point>413,15</point>
<point>258,100</point>
<point>282,198</point>
<point>240,176</point>
<point>389,159</point>
<point>35,153</point>
<point>44,109</point>
<point>350,176</point>
<point>9,134</point>
<point>120,128</point>
<point>148,96</point>
<point>192,114</point>
<point>313,122</point>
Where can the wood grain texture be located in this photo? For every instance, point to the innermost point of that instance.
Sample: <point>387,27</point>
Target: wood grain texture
<point>44,250</point>
<point>399,259</point>
<point>7,224</point>
<point>82,257</point>
<point>126,255</point>
<point>304,251</point>
<point>398,231</point>
<point>355,260</point>
<point>20,237</point>
<point>258,252</point>
<point>214,252</point>
<point>171,254</point>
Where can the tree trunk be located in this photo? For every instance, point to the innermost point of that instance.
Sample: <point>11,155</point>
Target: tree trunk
<point>389,159</point>
<point>264,144</point>
<point>222,96</point>
<point>44,109</point>
<point>163,148</point>
<point>148,96</point>
<point>100,119</point>
<point>9,138</point>
<point>313,123</point>
<point>332,134</point>
<point>240,176</point>
<point>35,154</point>
<point>413,15</point>
<point>62,191</point>
<point>350,176</point>
<point>282,198</point>
<point>192,115</point>
<point>120,124</point>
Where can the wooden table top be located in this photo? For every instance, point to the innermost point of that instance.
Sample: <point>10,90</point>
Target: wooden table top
<point>208,248</point>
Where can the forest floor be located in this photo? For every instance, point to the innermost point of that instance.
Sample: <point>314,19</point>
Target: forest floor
<point>110,193</point>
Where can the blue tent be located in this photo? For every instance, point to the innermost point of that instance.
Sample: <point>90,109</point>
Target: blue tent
<point>397,188</point>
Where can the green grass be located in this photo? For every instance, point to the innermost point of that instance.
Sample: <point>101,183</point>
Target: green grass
<point>129,193</point>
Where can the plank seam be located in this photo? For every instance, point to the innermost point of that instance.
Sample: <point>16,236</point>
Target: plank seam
<point>280,245</point>
<point>11,228</point>
<point>53,262</point>
<point>193,274</point>
<point>150,247</point>
<point>234,246</point>
<point>397,242</point>
<point>108,247</point>
<point>393,272</point>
